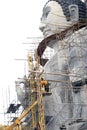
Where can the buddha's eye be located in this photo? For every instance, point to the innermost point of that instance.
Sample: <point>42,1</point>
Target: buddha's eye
<point>46,14</point>
<point>46,11</point>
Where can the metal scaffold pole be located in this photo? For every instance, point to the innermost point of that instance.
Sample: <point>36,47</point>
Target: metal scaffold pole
<point>32,88</point>
<point>17,122</point>
<point>41,116</point>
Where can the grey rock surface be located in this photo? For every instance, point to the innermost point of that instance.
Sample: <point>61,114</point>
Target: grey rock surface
<point>64,104</point>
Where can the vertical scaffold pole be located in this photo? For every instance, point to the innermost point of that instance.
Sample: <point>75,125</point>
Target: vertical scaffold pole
<point>32,88</point>
<point>41,115</point>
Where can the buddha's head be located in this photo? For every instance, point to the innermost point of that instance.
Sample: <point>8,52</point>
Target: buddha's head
<point>60,14</point>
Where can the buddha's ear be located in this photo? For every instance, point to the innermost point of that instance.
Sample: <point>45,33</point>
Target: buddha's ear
<point>74,12</point>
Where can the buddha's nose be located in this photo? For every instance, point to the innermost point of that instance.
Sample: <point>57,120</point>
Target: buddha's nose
<point>42,26</point>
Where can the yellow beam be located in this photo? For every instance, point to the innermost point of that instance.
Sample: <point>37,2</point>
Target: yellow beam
<point>18,120</point>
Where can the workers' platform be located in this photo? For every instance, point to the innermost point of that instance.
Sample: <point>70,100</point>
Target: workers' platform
<point>44,93</point>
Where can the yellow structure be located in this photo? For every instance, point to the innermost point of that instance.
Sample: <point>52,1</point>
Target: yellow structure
<point>17,123</point>
<point>40,98</point>
<point>36,100</point>
<point>32,87</point>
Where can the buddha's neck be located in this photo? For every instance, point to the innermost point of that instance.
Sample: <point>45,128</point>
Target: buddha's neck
<point>57,46</point>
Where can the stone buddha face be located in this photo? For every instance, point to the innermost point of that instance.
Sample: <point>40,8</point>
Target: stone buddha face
<point>60,14</point>
<point>53,19</point>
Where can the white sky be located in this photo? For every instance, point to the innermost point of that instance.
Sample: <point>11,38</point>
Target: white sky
<point>19,19</point>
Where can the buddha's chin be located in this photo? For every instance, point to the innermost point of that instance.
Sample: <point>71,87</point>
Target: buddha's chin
<point>48,34</point>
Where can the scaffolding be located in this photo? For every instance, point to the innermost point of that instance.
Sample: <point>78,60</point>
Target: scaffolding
<point>65,81</point>
<point>36,108</point>
<point>66,106</point>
